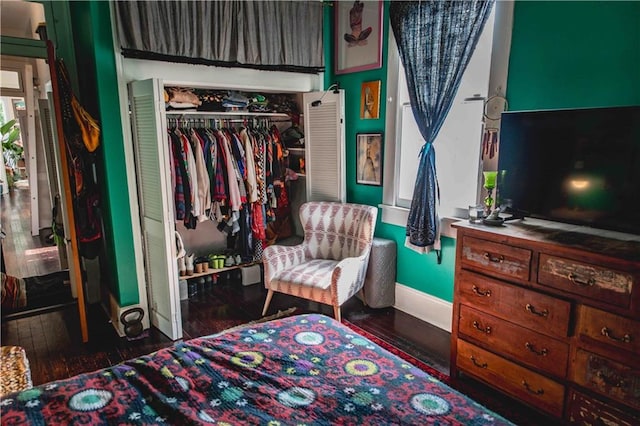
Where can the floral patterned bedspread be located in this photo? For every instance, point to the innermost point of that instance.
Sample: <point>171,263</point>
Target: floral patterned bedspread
<point>305,369</point>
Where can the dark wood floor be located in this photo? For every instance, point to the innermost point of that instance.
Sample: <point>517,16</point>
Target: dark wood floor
<point>55,350</point>
<point>24,255</point>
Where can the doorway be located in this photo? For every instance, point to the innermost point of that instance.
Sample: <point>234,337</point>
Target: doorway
<point>30,251</point>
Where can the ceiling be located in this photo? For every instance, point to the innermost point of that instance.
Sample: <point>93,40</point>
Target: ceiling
<point>20,18</point>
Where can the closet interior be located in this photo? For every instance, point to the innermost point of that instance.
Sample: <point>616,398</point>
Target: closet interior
<point>231,177</point>
<point>221,174</point>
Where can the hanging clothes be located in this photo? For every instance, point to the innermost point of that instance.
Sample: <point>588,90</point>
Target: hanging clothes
<point>232,177</point>
<point>178,172</point>
<point>250,179</point>
<point>81,139</point>
<point>202,178</point>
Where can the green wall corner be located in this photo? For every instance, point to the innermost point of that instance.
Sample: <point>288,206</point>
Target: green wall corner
<point>94,44</point>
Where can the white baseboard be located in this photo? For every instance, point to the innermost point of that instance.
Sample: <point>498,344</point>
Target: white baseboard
<point>423,306</point>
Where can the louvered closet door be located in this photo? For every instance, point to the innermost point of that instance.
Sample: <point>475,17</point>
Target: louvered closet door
<point>46,127</point>
<point>156,211</point>
<point>325,146</point>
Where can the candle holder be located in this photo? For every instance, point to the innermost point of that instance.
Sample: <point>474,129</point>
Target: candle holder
<point>489,185</point>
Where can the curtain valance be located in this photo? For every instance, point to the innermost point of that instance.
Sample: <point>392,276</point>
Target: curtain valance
<point>270,35</point>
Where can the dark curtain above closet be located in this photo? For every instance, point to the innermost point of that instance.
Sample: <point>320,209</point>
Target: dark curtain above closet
<point>268,35</point>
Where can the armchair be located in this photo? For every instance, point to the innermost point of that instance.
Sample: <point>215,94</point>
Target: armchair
<point>330,265</point>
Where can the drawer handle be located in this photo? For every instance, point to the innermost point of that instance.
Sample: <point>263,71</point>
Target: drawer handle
<point>494,259</point>
<point>532,309</point>
<point>476,290</point>
<point>577,281</point>
<point>541,352</point>
<point>528,388</point>
<point>616,382</point>
<point>477,364</point>
<point>624,339</point>
<point>477,326</point>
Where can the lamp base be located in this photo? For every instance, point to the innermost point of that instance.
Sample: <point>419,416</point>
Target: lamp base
<point>488,201</point>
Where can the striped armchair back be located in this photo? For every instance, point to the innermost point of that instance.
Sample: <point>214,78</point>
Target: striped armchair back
<point>335,230</point>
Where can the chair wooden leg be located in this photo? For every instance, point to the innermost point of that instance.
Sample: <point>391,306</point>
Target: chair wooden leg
<point>336,313</point>
<point>266,302</point>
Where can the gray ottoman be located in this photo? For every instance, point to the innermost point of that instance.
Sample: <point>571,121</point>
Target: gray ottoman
<point>380,282</point>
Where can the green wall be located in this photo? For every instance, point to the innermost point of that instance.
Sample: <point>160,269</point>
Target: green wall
<point>563,54</point>
<point>90,29</point>
<point>574,54</point>
<point>95,54</point>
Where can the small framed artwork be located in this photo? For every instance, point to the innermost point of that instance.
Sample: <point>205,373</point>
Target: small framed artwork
<point>358,36</point>
<point>369,158</point>
<point>370,100</point>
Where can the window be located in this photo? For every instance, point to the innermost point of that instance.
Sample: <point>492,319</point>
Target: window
<point>10,79</point>
<point>457,145</point>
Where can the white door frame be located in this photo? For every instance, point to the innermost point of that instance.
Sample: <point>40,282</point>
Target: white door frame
<point>29,134</point>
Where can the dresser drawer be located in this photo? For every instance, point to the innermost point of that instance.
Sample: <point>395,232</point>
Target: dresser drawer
<point>587,411</point>
<point>612,329</point>
<point>531,348</point>
<point>613,379</point>
<point>511,378</point>
<point>527,308</point>
<point>498,259</point>
<point>591,281</point>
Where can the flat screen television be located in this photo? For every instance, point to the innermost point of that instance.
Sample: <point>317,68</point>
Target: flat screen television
<point>579,166</point>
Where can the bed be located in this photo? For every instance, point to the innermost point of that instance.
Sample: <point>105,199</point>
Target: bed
<point>305,369</point>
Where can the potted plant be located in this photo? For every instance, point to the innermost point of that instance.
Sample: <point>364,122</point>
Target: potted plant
<point>11,150</point>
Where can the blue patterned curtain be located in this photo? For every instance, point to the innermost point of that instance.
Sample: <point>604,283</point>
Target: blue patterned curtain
<point>435,40</point>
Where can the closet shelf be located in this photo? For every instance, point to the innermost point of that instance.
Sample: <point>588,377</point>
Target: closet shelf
<point>212,271</point>
<point>295,149</point>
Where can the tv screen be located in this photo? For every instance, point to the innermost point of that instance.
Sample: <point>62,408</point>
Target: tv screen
<point>579,166</point>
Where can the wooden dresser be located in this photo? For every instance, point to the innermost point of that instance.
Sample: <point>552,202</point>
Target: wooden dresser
<point>549,314</point>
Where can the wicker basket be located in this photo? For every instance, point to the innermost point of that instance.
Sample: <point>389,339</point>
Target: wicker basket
<point>15,374</point>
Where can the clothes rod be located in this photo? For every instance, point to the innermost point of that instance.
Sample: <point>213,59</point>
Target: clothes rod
<point>226,114</point>
<point>224,120</point>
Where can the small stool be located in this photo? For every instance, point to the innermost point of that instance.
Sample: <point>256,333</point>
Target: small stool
<point>380,281</point>
<point>15,374</point>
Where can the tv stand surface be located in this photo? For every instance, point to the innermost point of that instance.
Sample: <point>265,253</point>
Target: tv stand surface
<point>615,244</point>
<point>549,313</point>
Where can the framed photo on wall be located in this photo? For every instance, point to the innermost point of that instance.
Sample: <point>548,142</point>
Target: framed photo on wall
<point>358,36</point>
<point>369,159</point>
<point>370,100</point>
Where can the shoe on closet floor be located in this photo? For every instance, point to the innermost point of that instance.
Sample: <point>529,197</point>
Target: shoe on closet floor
<point>182,268</point>
<point>189,264</point>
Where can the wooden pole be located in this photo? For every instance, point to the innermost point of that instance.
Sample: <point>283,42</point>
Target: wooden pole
<point>73,240</point>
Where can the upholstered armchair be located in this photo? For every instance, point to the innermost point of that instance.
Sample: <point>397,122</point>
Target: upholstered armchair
<point>329,266</point>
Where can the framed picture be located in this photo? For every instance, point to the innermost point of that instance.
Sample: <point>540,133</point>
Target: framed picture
<point>370,100</point>
<point>369,158</point>
<point>358,36</point>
